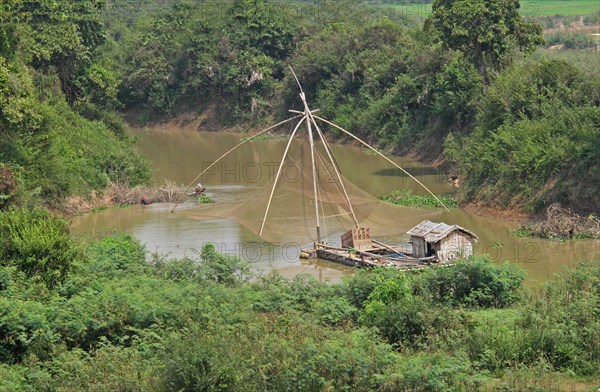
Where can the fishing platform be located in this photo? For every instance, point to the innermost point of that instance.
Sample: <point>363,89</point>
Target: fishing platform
<point>430,244</point>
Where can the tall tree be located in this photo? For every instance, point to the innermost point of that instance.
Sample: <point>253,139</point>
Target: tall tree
<point>486,31</point>
<point>62,36</point>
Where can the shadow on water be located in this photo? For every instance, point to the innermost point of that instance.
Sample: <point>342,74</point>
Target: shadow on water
<point>416,171</point>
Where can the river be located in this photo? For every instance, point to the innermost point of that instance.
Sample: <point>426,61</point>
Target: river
<point>180,155</point>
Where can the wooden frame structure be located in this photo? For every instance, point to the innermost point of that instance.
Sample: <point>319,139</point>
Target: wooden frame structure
<point>309,118</point>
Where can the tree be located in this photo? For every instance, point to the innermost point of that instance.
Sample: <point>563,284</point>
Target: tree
<point>486,31</point>
<point>62,36</point>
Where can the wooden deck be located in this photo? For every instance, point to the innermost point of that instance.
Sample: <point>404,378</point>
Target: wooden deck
<point>396,257</point>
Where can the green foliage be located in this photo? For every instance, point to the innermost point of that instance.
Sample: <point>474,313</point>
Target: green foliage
<point>412,310</point>
<point>205,199</point>
<point>405,197</point>
<point>12,378</point>
<point>438,372</point>
<point>191,54</point>
<point>486,31</point>
<point>62,153</point>
<point>571,40</point>
<point>92,156</point>
<point>457,89</point>
<point>473,283</point>
<point>120,322</point>
<point>54,150</point>
<point>556,324</point>
<point>563,320</point>
<point>115,255</point>
<point>221,268</point>
<point>275,353</point>
<point>379,81</point>
<point>127,367</point>
<point>522,232</point>
<point>9,185</point>
<point>537,137</point>
<point>62,37</point>
<point>37,243</point>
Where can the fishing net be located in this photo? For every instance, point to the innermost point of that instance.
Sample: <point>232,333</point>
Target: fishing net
<point>291,216</point>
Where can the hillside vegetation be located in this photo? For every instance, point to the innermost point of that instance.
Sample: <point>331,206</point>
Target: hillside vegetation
<point>537,137</point>
<point>59,133</point>
<point>521,127</point>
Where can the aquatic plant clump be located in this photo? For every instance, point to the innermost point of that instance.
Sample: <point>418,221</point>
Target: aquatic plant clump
<point>405,197</point>
<point>205,199</point>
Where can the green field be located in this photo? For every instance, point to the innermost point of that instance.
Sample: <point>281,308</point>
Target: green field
<point>560,7</point>
<point>528,7</point>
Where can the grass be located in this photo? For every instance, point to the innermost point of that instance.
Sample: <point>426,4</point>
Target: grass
<point>528,8</point>
<point>522,232</point>
<point>405,197</point>
<point>205,199</point>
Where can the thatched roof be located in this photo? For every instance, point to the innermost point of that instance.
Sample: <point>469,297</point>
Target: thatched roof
<point>433,232</point>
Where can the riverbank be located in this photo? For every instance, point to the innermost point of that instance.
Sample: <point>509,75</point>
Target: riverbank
<point>119,194</point>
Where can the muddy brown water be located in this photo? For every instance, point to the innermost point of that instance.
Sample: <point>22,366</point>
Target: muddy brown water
<point>180,155</point>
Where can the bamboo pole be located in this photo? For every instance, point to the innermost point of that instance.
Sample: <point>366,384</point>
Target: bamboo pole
<point>299,112</point>
<point>262,226</point>
<point>384,157</point>
<point>385,246</point>
<point>231,150</point>
<point>333,163</point>
<point>313,164</point>
<point>307,115</point>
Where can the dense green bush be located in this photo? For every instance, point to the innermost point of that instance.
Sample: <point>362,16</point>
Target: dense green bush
<point>537,138</point>
<point>37,243</point>
<point>437,372</point>
<point>221,268</point>
<point>564,321</point>
<point>119,322</point>
<point>556,324</point>
<point>229,53</point>
<point>474,283</point>
<point>276,353</point>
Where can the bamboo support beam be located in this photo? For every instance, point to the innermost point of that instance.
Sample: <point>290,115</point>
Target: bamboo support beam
<point>335,168</point>
<point>231,150</point>
<point>262,226</point>
<point>313,164</point>
<point>308,116</point>
<point>299,112</point>
<point>385,246</point>
<point>384,157</point>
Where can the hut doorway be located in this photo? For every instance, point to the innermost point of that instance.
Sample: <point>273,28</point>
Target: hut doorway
<point>429,249</point>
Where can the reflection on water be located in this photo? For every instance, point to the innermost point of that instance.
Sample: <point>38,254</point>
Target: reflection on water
<point>180,155</point>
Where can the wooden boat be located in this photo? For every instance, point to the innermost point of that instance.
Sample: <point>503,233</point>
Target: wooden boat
<point>376,257</point>
<point>359,250</point>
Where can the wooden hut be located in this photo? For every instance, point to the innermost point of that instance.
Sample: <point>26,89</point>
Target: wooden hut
<point>442,241</point>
